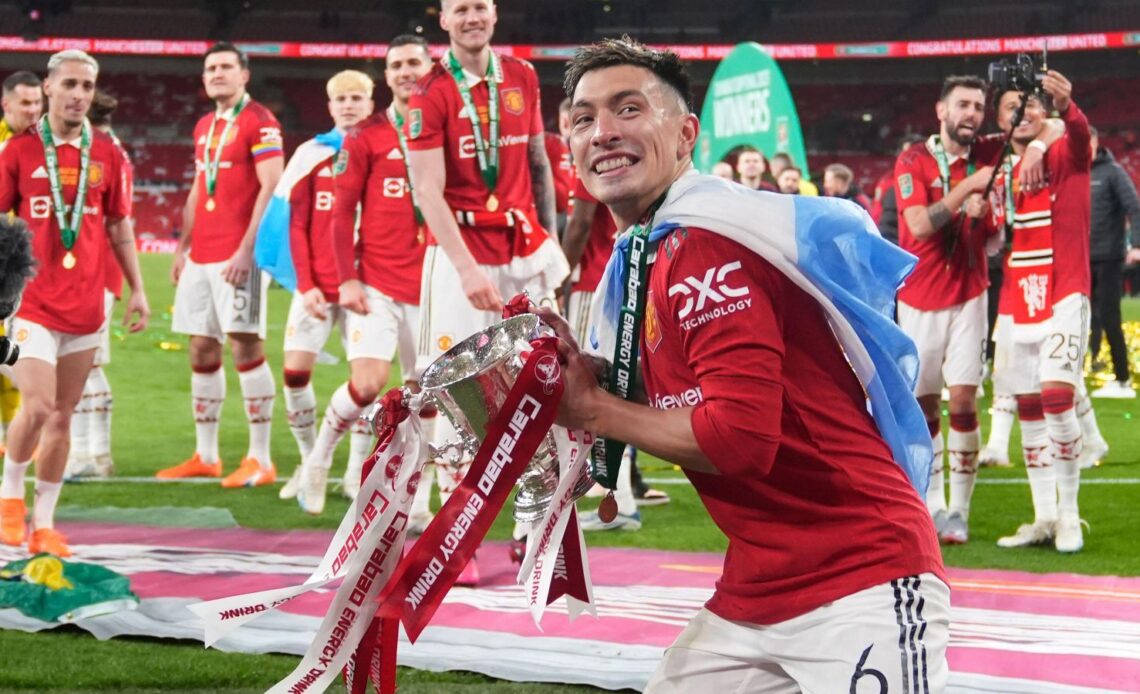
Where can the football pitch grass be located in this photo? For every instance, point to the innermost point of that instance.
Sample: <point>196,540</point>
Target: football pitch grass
<point>153,428</point>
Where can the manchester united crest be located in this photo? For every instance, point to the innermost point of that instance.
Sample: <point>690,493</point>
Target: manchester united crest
<point>652,326</point>
<point>513,101</point>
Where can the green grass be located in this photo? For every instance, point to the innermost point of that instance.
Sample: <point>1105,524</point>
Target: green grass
<point>153,428</point>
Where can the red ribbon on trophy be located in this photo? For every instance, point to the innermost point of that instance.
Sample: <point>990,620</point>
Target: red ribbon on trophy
<point>426,574</point>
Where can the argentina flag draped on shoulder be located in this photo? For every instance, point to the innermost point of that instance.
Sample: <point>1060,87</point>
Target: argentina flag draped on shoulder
<point>271,250</point>
<point>831,249</point>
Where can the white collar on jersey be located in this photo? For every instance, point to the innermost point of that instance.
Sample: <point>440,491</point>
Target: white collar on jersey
<point>471,77</point>
<point>950,158</point>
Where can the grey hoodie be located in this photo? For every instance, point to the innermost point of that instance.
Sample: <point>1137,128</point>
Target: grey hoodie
<point>1113,197</point>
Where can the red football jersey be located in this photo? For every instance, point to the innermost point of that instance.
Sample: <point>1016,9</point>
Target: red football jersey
<point>1069,162</point>
<point>113,280</point>
<point>937,282</point>
<point>371,173</point>
<point>437,118</point>
<point>255,136</point>
<point>599,246</point>
<point>70,301</point>
<point>310,228</point>
<point>813,504</point>
<point>559,155</point>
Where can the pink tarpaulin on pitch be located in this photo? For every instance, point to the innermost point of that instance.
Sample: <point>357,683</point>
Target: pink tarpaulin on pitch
<point>1011,631</point>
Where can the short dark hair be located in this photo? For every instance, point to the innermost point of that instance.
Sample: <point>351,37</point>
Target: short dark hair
<point>227,47</point>
<point>965,81</point>
<point>793,167</point>
<point>21,78</point>
<point>625,51</point>
<point>741,149</point>
<point>410,40</point>
<point>102,106</point>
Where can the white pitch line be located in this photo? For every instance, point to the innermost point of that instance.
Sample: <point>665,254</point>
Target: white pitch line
<point>648,480</point>
<point>1000,480</point>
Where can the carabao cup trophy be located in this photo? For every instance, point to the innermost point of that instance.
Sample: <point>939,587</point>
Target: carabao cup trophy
<point>470,382</point>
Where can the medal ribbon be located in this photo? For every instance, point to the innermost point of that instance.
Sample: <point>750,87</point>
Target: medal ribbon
<point>68,233</point>
<point>623,373</point>
<point>486,150</point>
<point>953,234</point>
<point>395,117</point>
<point>213,166</point>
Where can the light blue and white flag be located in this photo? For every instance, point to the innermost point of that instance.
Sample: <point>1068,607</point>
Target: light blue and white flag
<point>271,250</point>
<point>831,249</point>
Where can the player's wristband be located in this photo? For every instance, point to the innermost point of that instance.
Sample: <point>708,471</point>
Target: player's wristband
<point>1038,144</point>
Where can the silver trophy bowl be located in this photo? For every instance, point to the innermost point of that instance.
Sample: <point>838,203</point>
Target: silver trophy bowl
<point>470,383</point>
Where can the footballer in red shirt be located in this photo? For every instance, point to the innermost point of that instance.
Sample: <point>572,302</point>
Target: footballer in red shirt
<point>942,306</point>
<point>377,265</point>
<point>90,454</point>
<point>751,394</point>
<point>314,315</point>
<point>485,187</point>
<point>221,296</point>
<point>67,181</point>
<point>1042,327</point>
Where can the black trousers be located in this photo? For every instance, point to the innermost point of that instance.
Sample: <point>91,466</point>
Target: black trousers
<point>1107,287</point>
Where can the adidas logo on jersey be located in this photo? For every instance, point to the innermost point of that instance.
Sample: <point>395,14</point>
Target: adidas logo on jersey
<point>40,172</point>
<point>395,153</point>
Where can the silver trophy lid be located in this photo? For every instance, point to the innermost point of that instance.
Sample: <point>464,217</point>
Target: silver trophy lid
<point>480,352</point>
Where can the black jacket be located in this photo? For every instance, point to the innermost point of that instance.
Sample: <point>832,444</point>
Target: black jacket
<point>1113,197</point>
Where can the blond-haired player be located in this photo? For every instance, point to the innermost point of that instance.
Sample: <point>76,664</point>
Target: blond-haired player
<point>378,267</point>
<point>314,311</point>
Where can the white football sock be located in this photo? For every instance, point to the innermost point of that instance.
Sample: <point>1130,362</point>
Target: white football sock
<point>623,494</point>
<point>341,413</point>
<point>936,492</point>
<point>360,445</point>
<point>12,486</point>
<point>1039,468</point>
<point>301,411</point>
<point>101,407</point>
<point>963,447</point>
<point>43,512</point>
<point>1004,411</point>
<point>258,392</point>
<point>208,392</point>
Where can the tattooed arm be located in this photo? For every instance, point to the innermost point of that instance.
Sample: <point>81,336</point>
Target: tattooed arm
<point>542,181</point>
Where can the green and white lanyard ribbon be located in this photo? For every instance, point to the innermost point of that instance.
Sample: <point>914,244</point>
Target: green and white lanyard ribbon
<point>623,372</point>
<point>486,149</point>
<point>1007,172</point>
<point>68,229</point>
<point>213,165</point>
<point>943,163</point>
<point>395,117</point>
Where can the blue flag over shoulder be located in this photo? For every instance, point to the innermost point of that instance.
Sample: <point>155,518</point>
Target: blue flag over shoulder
<point>831,249</point>
<point>271,250</point>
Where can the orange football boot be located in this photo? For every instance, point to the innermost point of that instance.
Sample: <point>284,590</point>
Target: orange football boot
<point>194,467</point>
<point>49,540</point>
<point>13,529</point>
<point>250,474</point>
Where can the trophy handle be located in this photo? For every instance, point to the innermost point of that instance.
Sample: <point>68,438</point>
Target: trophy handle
<point>373,415</point>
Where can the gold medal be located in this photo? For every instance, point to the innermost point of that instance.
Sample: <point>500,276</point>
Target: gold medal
<point>210,204</point>
<point>68,261</point>
<point>608,509</point>
<point>492,203</point>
